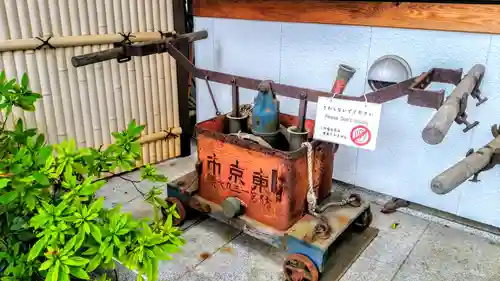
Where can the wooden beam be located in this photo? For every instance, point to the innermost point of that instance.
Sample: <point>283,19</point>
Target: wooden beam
<point>182,80</point>
<point>482,18</point>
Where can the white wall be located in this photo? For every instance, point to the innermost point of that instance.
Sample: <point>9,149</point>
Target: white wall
<point>308,55</point>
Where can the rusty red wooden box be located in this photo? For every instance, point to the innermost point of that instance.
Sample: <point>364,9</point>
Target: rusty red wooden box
<point>271,183</point>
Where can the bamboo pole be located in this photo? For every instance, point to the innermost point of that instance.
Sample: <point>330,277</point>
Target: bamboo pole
<point>32,63</point>
<point>118,71</point>
<point>134,24</point>
<point>131,65</point>
<point>108,80</point>
<point>99,76</point>
<point>86,25</point>
<point>62,72</point>
<point>41,61</point>
<point>154,81</point>
<point>168,80</point>
<point>53,78</point>
<point>5,56</point>
<point>76,107</point>
<point>14,60</point>
<point>127,114</point>
<point>74,41</point>
<point>173,73</point>
<point>132,81</point>
<point>115,71</point>
<point>161,82</point>
<point>21,65</point>
<point>147,82</point>
<point>79,25</point>
<point>159,136</point>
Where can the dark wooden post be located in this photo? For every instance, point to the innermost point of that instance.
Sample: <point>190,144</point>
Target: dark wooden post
<point>182,80</point>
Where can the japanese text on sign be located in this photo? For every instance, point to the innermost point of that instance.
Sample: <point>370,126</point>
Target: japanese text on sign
<point>264,188</point>
<point>352,123</point>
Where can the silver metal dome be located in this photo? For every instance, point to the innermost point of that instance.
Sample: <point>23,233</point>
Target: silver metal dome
<point>388,70</point>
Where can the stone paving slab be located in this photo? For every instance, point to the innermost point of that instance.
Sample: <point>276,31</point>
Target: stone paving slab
<point>243,258</point>
<point>383,257</point>
<point>444,253</point>
<point>414,250</point>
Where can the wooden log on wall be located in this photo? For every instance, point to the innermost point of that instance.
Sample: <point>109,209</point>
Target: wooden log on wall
<point>482,18</point>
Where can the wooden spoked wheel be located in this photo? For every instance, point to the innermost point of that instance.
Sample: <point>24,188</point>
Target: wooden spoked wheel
<point>179,207</point>
<point>298,267</point>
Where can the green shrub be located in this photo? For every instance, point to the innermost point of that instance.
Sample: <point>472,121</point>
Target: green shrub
<point>52,226</point>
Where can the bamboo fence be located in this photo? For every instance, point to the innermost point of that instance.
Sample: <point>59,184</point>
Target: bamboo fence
<point>89,103</point>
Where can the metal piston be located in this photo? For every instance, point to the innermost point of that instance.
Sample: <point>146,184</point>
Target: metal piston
<point>237,124</point>
<point>296,137</point>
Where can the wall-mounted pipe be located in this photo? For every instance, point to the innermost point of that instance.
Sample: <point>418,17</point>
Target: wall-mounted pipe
<point>468,167</point>
<point>438,126</point>
<point>344,74</point>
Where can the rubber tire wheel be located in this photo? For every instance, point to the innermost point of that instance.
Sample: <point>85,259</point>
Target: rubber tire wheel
<point>306,265</point>
<point>179,207</point>
<point>363,221</point>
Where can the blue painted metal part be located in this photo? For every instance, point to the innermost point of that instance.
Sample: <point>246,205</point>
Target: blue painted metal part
<point>265,113</point>
<point>315,254</point>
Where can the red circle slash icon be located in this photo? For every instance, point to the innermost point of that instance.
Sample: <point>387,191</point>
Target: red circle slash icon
<point>360,135</point>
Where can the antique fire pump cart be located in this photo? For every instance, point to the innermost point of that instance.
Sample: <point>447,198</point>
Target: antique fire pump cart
<point>265,174</point>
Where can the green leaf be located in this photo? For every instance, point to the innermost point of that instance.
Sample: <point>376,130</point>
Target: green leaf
<point>49,275</point>
<point>46,265</point>
<point>76,261</point>
<point>94,263</point>
<point>4,182</point>
<point>55,271</point>
<point>108,253</point>
<point>65,269</point>
<point>79,168</point>
<point>40,140</point>
<point>90,251</point>
<point>60,208</point>
<point>97,205</point>
<point>79,273</point>
<point>37,248</point>
<point>25,82</point>
<point>8,197</point>
<point>96,232</point>
<point>80,238</point>
<point>86,227</point>
<point>90,189</point>
<point>71,243</point>
<point>41,178</point>
<point>64,276</point>
<point>168,248</point>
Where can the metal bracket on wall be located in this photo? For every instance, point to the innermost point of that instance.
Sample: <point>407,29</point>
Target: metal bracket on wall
<point>419,96</point>
<point>412,87</point>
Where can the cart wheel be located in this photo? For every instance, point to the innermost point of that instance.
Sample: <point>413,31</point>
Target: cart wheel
<point>179,207</point>
<point>298,267</point>
<point>363,221</point>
